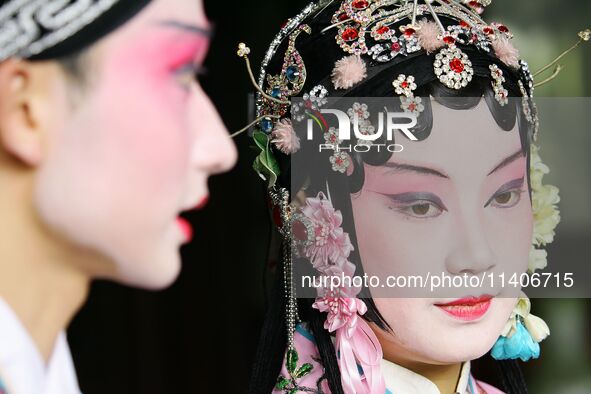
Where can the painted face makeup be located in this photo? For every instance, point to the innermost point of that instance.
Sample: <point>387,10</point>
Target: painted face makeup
<point>139,147</point>
<point>449,204</point>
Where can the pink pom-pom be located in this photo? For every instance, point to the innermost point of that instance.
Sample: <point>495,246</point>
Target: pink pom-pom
<point>428,33</point>
<point>348,72</point>
<point>506,52</point>
<point>285,138</point>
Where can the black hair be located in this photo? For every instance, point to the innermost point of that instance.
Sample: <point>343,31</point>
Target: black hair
<point>319,52</point>
<point>75,65</point>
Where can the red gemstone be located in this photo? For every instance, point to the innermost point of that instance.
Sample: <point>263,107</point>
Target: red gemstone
<point>350,34</point>
<point>339,161</point>
<point>409,32</point>
<point>474,4</point>
<point>308,104</point>
<point>404,85</point>
<point>383,30</point>
<point>456,65</point>
<point>503,29</point>
<point>343,17</point>
<point>464,24</point>
<point>395,46</point>
<point>360,4</point>
<point>488,30</point>
<point>449,40</point>
<point>412,107</point>
<point>299,231</point>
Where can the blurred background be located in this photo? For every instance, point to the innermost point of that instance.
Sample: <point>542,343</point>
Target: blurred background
<point>200,335</point>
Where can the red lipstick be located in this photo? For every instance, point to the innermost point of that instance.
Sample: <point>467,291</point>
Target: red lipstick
<point>186,228</point>
<point>467,308</point>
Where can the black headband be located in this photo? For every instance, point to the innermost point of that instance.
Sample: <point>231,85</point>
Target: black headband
<point>42,29</point>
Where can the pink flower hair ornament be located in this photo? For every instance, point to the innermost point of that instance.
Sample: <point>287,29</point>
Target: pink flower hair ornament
<point>356,344</point>
<point>330,243</point>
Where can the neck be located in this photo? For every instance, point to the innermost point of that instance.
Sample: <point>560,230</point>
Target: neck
<point>39,277</point>
<point>445,376</point>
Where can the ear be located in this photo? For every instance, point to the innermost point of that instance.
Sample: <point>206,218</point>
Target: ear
<point>21,132</point>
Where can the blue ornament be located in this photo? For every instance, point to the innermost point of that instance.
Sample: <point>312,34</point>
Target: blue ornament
<point>267,125</point>
<point>292,73</point>
<point>519,345</point>
<point>276,93</point>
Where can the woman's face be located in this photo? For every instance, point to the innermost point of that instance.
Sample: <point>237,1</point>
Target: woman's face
<point>137,146</point>
<point>454,204</point>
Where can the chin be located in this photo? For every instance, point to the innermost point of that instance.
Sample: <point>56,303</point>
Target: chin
<point>470,341</point>
<point>451,348</point>
<point>151,274</point>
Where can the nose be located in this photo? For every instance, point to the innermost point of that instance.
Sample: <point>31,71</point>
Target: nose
<point>214,150</point>
<point>472,253</point>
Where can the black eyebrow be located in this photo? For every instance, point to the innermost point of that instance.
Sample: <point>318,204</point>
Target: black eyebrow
<point>204,31</point>
<point>418,169</point>
<point>508,160</point>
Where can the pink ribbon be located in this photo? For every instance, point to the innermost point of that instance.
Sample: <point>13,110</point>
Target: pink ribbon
<point>360,347</point>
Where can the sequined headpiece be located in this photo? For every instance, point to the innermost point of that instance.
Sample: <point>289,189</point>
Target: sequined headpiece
<point>379,32</point>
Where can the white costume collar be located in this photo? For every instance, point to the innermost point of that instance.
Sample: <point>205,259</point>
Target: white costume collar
<point>401,380</point>
<point>22,368</point>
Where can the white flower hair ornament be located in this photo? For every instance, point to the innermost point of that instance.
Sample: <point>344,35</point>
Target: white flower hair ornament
<point>523,332</point>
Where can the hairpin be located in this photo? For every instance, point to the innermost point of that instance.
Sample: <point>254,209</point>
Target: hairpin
<point>288,83</point>
<point>406,86</point>
<point>293,74</point>
<point>359,115</point>
<point>525,103</point>
<point>340,161</point>
<point>501,94</point>
<point>453,68</point>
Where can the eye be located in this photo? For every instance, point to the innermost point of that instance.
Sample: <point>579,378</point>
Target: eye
<point>506,199</point>
<point>419,209</point>
<point>422,209</point>
<point>508,195</point>
<point>188,74</point>
<point>420,205</point>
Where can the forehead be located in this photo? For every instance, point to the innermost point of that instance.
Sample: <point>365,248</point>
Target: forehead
<point>461,139</point>
<point>160,17</point>
<point>189,12</point>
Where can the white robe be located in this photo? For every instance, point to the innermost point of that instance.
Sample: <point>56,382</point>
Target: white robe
<point>22,368</point>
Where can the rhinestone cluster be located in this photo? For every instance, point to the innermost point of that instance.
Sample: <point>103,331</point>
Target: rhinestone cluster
<point>453,68</point>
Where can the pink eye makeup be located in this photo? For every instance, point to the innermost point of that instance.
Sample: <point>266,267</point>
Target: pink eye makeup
<point>193,51</point>
<point>420,205</point>
<point>508,195</point>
